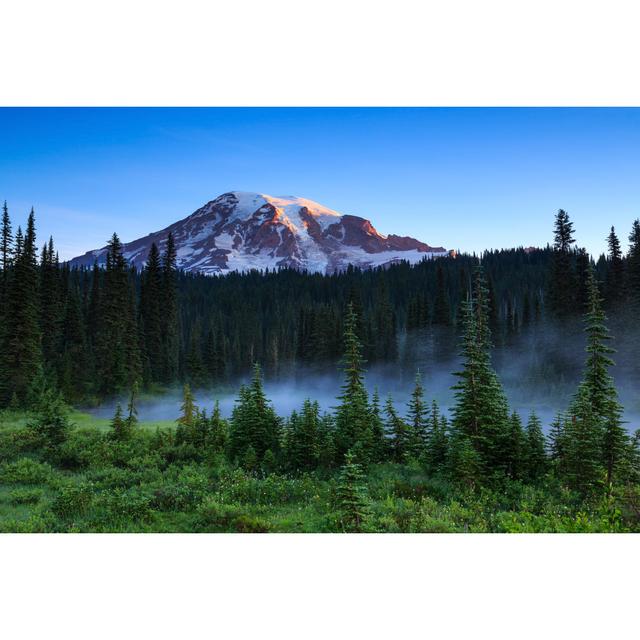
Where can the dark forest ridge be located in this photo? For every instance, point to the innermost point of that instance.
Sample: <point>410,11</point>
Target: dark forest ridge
<point>240,231</point>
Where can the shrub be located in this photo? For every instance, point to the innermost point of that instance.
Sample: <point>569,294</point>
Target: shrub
<point>25,496</point>
<point>118,507</point>
<point>72,500</point>
<point>218,517</point>
<point>188,489</point>
<point>25,471</point>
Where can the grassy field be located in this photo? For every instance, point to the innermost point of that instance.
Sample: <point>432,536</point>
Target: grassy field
<point>92,483</point>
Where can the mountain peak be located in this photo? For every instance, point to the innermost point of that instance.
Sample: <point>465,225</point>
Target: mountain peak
<point>243,230</point>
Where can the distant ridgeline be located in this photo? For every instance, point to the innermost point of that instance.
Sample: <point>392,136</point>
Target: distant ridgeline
<point>93,331</point>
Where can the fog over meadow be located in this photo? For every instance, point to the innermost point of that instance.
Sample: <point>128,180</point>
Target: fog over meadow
<point>539,369</point>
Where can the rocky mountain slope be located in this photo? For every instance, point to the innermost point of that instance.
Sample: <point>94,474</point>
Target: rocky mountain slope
<point>239,231</point>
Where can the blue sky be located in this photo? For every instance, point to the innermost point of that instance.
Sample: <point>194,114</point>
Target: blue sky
<point>463,178</point>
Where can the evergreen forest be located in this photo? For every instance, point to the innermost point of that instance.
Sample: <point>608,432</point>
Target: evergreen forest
<point>75,339</point>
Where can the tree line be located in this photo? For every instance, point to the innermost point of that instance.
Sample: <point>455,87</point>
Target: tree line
<point>94,332</point>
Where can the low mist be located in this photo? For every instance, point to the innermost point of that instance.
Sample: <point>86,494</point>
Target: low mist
<point>540,370</point>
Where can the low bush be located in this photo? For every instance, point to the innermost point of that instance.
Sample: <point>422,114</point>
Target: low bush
<point>26,471</point>
<point>25,496</point>
<point>214,516</point>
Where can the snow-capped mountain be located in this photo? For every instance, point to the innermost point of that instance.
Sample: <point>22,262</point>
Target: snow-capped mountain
<point>239,231</point>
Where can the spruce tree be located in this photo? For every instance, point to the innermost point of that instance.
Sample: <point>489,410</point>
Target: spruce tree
<point>117,338</point>
<point>353,424</point>
<point>633,264</point>
<point>132,410</point>
<point>535,458</point>
<point>22,338</point>
<point>615,273</point>
<point>417,417</point>
<point>437,442</point>
<point>352,500</point>
<point>583,270</point>
<point>515,446</point>
<point>596,409</point>
<point>398,433</point>
<point>151,315</point>
<point>562,278</point>
<point>582,460</point>
<point>218,430</point>
<point>254,423</point>
<point>50,307</point>
<point>480,412</point>
<point>557,441</point>
<point>188,408</point>
<point>50,416</point>
<point>304,447</point>
<point>379,442</point>
<point>119,430</point>
<point>6,244</point>
<point>169,303</point>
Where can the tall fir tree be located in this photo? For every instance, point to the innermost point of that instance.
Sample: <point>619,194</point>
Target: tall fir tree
<point>351,493</point>
<point>117,348</point>
<point>353,424</point>
<point>151,315</point>
<point>633,265</point>
<point>169,303</point>
<point>22,339</point>
<point>596,404</point>
<point>535,459</point>
<point>562,277</point>
<point>417,418</point>
<point>481,412</point>
<point>614,289</point>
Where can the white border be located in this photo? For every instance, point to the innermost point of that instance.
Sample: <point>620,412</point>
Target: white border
<point>358,52</point>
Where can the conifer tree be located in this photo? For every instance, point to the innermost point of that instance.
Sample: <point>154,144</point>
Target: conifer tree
<point>117,348</point>
<point>188,408</point>
<point>22,339</point>
<point>304,447</point>
<point>561,281</point>
<point>132,410</point>
<point>515,445</point>
<point>352,501</point>
<point>398,433</point>
<point>119,430</point>
<point>50,418</point>
<point>535,458</point>
<point>253,422</point>
<point>379,443</point>
<point>50,306</point>
<point>417,417</point>
<point>596,410</point>
<point>633,264</point>
<point>151,312</point>
<point>481,411</point>
<point>437,439</point>
<point>218,430</point>
<point>583,270</point>
<point>353,424</point>
<point>6,251</point>
<point>581,463</point>
<point>169,313</point>
<point>615,274</point>
<point>6,244</point>
<point>598,386</point>
<point>556,440</point>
